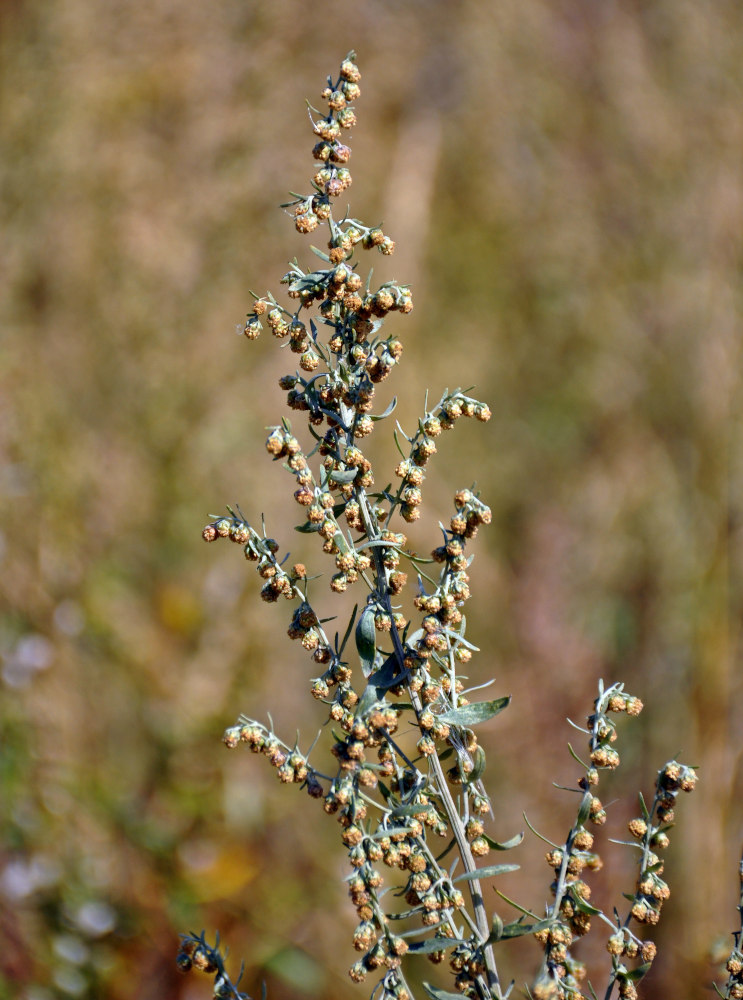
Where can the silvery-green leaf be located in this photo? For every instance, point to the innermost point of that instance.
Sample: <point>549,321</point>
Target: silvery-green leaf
<point>470,715</point>
<point>488,872</point>
<point>434,944</point>
<point>519,928</point>
<point>307,528</point>
<point>436,994</point>
<point>365,639</point>
<point>507,845</point>
<point>344,475</point>
<point>388,411</point>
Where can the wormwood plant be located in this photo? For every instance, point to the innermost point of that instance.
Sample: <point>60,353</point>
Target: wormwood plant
<point>412,813</point>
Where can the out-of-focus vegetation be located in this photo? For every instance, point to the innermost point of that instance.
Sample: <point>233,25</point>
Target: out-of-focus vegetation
<point>563,182</point>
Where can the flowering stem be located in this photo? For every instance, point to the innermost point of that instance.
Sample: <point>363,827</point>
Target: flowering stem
<point>452,813</point>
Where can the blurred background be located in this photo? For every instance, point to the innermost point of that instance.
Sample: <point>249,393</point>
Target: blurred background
<point>563,181</point>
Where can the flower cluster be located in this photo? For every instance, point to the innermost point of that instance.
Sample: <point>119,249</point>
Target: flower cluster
<point>570,916</point>
<point>388,805</point>
<point>398,670</point>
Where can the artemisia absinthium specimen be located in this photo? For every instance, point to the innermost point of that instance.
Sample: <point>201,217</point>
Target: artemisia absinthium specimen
<point>394,806</point>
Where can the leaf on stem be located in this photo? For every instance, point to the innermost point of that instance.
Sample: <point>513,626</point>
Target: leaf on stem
<point>584,809</point>
<point>437,994</point>
<point>489,872</point>
<point>518,928</point>
<point>365,640</point>
<point>507,845</point>
<point>435,944</point>
<point>470,715</point>
<point>388,411</point>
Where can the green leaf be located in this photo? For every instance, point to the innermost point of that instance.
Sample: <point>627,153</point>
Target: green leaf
<point>575,757</point>
<point>411,810</point>
<point>366,639</point>
<point>643,807</point>
<point>341,542</point>
<point>488,872</point>
<point>335,418</point>
<point>437,994</point>
<point>584,809</point>
<point>307,528</point>
<point>496,929</point>
<point>391,831</point>
<point>446,850</point>
<point>377,543</point>
<point>308,280</point>
<point>344,475</point>
<point>388,676</point>
<point>638,973</point>
<point>352,619</point>
<point>434,944</point>
<point>368,698</point>
<point>580,904</point>
<point>519,928</point>
<point>470,715</point>
<point>507,845</point>
<point>388,411</point>
<point>479,766</point>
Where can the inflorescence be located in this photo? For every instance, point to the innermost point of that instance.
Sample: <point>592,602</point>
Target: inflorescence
<point>401,812</point>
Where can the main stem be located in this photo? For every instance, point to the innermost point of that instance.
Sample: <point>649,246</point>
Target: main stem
<point>452,813</point>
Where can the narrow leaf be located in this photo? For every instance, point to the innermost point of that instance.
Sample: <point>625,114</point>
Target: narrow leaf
<point>518,928</point>
<point>479,766</point>
<point>387,676</point>
<point>580,904</point>
<point>365,640</point>
<point>507,845</point>
<point>470,715</point>
<point>437,994</point>
<point>642,970</point>
<point>434,944</point>
<point>412,810</point>
<point>575,757</point>
<point>496,929</point>
<point>538,834</point>
<point>308,528</point>
<point>368,698</point>
<point>344,475</point>
<point>488,872</point>
<point>388,411</point>
<point>377,543</point>
<point>643,807</point>
<point>446,850</point>
<point>348,630</point>
<point>585,808</point>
